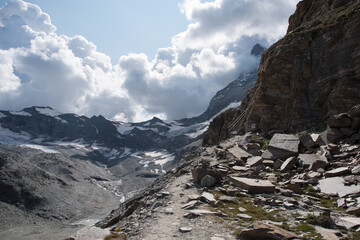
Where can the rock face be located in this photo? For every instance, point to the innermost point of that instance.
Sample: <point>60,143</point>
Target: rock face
<point>309,75</point>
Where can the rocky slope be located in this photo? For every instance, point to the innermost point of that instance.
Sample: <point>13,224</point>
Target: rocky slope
<point>310,74</point>
<point>293,187</point>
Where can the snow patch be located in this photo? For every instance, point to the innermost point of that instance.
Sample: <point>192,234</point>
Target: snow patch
<point>2,115</point>
<point>21,113</point>
<point>198,133</point>
<point>124,128</point>
<point>48,111</point>
<point>39,147</point>
<point>13,138</point>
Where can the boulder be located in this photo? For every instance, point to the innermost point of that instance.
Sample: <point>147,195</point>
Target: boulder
<point>207,197</point>
<point>254,186</point>
<point>356,170</point>
<point>306,140</point>
<point>239,153</point>
<point>340,120</point>
<point>199,173</point>
<point>282,146</point>
<point>305,160</point>
<point>265,231</point>
<point>288,164</point>
<point>208,181</point>
<point>254,161</point>
<point>333,135</point>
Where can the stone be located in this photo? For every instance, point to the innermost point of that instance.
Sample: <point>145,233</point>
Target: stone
<point>306,140</point>
<point>295,187</point>
<point>333,135</point>
<point>356,170</point>
<point>272,178</point>
<point>227,199</point>
<point>262,231</point>
<point>240,168</point>
<point>239,153</point>
<point>348,222</point>
<point>337,172</point>
<point>197,213</point>
<point>185,229</point>
<point>288,164</point>
<point>335,186</point>
<point>353,210</point>
<point>328,234</point>
<point>90,233</point>
<point>208,181</point>
<point>243,215</point>
<point>241,209</point>
<point>169,211</point>
<point>318,164</point>
<point>207,197</point>
<point>199,173</point>
<point>254,161</point>
<point>190,204</point>
<point>347,131</point>
<point>277,164</point>
<point>305,160</point>
<point>341,202</point>
<point>193,197</point>
<point>282,146</point>
<point>253,186</point>
<point>354,111</point>
<point>340,120</point>
<point>314,175</point>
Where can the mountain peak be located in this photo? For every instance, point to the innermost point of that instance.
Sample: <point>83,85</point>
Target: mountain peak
<point>257,50</point>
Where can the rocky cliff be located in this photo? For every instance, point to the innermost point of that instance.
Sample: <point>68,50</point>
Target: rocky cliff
<point>310,74</point>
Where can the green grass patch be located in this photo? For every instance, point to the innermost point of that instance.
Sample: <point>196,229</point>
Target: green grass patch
<point>306,228</point>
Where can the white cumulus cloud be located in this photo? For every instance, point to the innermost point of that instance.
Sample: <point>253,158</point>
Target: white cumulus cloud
<point>40,67</point>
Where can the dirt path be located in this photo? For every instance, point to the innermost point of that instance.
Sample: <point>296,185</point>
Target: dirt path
<point>167,220</point>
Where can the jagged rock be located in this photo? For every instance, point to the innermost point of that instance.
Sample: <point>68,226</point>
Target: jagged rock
<point>288,164</point>
<point>305,160</point>
<point>306,140</point>
<point>277,164</point>
<point>282,146</point>
<point>356,170</point>
<point>337,172</point>
<point>264,231</point>
<point>318,164</point>
<point>194,197</point>
<point>334,135</point>
<point>340,120</point>
<point>254,161</point>
<point>208,181</point>
<point>190,204</point>
<point>253,185</point>
<point>341,202</point>
<point>353,210</point>
<point>207,197</point>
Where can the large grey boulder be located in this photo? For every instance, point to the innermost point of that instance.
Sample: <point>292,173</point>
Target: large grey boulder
<point>282,146</point>
<point>253,185</point>
<point>265,231</point>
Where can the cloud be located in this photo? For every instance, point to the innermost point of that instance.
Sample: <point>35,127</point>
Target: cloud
<point>39,67</point>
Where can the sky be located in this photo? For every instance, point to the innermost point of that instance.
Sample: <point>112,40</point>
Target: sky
<point>130,60</point>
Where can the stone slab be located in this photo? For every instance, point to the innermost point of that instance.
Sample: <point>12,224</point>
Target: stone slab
<point>335,185</point>
<point>253,185</point>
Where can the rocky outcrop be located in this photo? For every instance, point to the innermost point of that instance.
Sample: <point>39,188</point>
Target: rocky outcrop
<point>345,126</point>
<point>309,75</point>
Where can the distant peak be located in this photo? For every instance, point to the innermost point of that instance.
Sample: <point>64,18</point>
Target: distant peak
<point>257,50</point>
